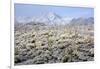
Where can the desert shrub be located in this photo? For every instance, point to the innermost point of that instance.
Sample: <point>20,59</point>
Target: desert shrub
<point>50,40</point>
<point>33,41</point>
<point>42,44</point>
<point>30,46</point>
<point>66,58</point>
<point>17,59</point>
<point>16,51</point>
<point>33,34</point>
<point>39,52</point>
<point>20,58</point>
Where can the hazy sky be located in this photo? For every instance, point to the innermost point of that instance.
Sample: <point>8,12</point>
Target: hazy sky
<point>30,10</point>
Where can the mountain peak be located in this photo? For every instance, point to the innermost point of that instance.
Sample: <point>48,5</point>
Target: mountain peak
<point>52,16</point>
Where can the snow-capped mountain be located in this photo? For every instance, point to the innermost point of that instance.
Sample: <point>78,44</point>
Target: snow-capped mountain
<point>49,19</point>
<point>55,19</point>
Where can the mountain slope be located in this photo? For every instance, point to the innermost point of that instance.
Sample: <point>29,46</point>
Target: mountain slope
<point>82,21</point>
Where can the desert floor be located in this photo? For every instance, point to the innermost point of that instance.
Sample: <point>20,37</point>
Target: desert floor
<point>41,45</point>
